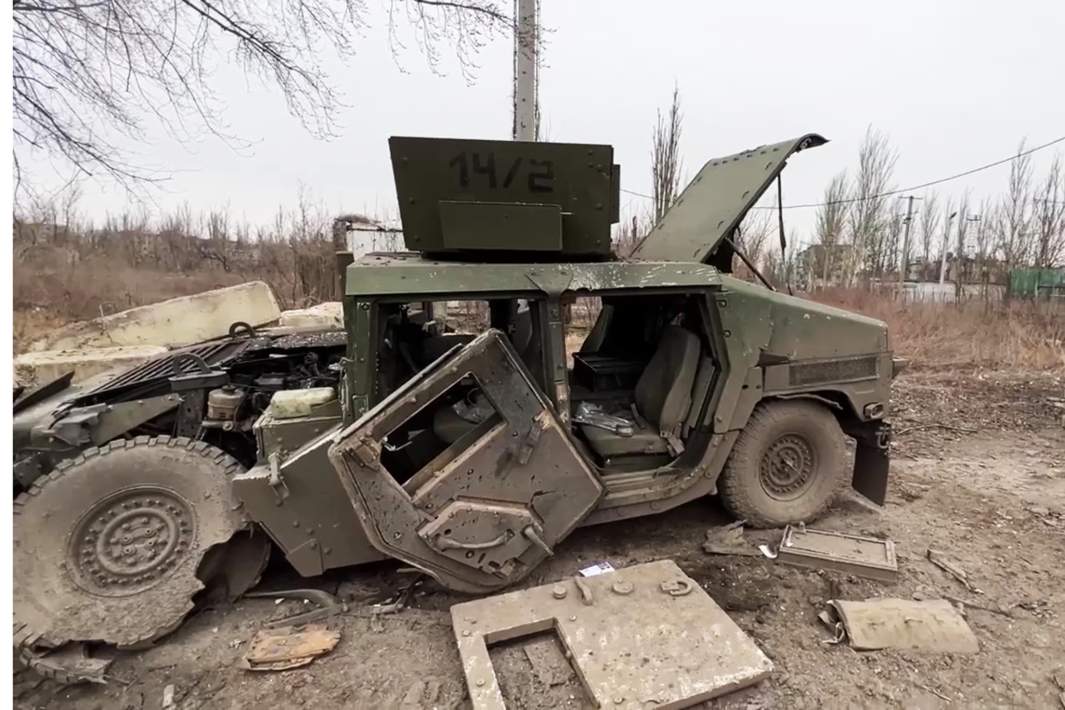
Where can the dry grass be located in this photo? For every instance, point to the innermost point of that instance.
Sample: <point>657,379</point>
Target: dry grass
<point>64,274</point>
<point>1014,336</point>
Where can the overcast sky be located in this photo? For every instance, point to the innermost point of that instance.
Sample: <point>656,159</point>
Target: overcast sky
<point>954,84</point>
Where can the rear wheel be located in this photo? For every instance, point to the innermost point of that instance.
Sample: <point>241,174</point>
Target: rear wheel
<point>787,466</point>
<point>108,547</point>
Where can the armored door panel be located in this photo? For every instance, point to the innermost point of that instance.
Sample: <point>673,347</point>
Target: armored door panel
<point>504,486</point>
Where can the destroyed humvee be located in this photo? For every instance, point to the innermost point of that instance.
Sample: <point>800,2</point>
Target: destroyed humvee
<point>463,422</point>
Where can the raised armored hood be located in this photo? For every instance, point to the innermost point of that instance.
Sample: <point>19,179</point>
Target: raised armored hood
<point>716,201</point>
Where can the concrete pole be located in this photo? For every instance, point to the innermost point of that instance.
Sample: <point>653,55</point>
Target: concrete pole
<point>526,70</point>
<point>905,257</point>
<point>946,243</point>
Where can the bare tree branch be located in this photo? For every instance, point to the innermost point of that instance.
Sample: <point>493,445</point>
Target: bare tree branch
<point>665,157</point>
<point>87,75</point>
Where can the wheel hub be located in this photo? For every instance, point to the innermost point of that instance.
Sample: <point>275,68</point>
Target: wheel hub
<point>130,541</point>
<point>787,467</point>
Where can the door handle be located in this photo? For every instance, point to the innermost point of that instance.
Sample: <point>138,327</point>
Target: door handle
<point>447,543</point>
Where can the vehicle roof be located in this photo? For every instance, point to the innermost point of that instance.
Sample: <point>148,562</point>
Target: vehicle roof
<point>379,275</point>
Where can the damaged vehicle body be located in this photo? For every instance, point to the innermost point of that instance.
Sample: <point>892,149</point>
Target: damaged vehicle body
<point>461,422</point>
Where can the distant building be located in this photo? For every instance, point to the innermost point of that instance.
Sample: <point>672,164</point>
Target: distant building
<point>820,265</point>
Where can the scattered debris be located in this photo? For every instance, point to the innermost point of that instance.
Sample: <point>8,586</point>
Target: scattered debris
<point>597,568</point>
<point>932,625</point>
<point>1047,516</point>
<point>70,663</point>
<point>935,425</point>
<point>396,603</point>
<point>669,648</point>
<point>832,622</point>
<point>941,561</point>
<point>168,696</point>
<point>853,554</point>
<point>548,663</point>
<point>729,540</point>
<point>1058,678</point>
<point>934,692</point>
<point>327,605</point>
<point>966,604</point>
<point>288,647</point>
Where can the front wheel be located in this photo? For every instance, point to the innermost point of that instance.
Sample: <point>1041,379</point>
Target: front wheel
<point>787,466</point>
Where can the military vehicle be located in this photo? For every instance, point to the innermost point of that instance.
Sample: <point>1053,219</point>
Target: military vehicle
<point>461,422</point>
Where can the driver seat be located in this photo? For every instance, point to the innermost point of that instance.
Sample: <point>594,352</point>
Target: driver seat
<point>662,399</point>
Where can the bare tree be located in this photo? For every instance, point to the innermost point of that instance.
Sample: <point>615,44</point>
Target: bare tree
<point>87,72</point>
<point>985,228</point>
<point>831,222</point>
<point>1014,228</point>
<point>665,157</point>
<point>1049,217</point>
<point>753,239</point>
<point>868,212</point>
<point>930,216</point>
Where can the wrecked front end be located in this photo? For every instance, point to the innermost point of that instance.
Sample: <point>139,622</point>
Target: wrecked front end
<point>805,349</point>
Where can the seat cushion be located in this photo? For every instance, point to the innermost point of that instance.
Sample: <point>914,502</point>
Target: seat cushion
<point>608,444</point>
<point>664,392</point>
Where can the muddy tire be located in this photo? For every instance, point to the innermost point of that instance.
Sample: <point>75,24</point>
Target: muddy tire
<point>107,547</point>
<point>788,465</point>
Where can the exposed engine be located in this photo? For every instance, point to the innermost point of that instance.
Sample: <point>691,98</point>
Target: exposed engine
<point>213,391</point>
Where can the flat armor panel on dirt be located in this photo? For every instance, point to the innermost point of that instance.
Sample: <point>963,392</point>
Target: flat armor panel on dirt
<point>493,503</point>
<point>854,554</point>
<point>643,636</point>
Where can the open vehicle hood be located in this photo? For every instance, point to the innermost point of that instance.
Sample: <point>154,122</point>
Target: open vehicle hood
<point>716,200</point>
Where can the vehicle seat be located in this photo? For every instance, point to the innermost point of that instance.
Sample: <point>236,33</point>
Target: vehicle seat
<point>434,346</point>
<point>661,401</point>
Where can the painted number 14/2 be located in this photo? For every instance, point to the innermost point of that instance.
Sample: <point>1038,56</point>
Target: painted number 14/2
<point>481,168</point>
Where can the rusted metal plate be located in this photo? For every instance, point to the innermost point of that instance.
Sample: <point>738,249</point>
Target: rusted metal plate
<point>643,636</point>
<point>289,647</point>
<point>820,549</point>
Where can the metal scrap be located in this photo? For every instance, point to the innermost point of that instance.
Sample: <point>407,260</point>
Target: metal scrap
<point>729,540</point>
<point>289,647</point>
<point>930,625</point>
<point>327,605</point>
<point>645,647</point>
<point>940,560</point>
<point>853,554</point>
<point>70,663</point>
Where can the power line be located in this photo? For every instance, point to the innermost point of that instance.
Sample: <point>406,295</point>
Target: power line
<point>900,191</point>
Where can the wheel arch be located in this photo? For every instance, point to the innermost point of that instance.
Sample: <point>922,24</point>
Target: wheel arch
<point>871,435</point>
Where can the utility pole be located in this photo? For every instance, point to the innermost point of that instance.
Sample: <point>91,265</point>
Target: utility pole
<point>526,70</point>
<point>905,257</point>
<point>946,243</point>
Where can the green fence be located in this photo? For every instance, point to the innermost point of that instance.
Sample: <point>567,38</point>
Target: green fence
<point>1038,283</point>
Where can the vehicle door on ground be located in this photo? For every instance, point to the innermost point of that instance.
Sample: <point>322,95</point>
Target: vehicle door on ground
<point>465,470</point>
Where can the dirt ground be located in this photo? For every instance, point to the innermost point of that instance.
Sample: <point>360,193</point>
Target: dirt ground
<point>978,472</point>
